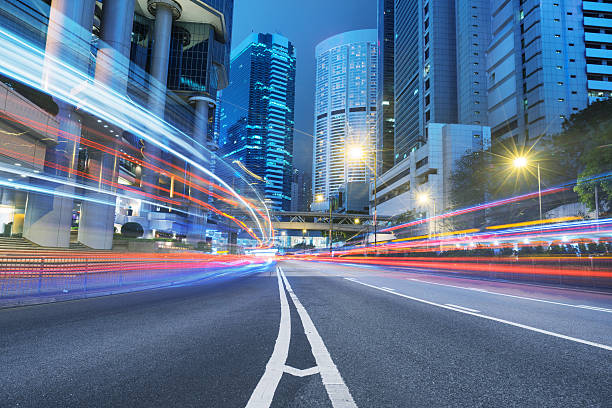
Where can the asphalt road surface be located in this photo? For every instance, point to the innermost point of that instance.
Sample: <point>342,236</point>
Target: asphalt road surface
<point>314,335</point>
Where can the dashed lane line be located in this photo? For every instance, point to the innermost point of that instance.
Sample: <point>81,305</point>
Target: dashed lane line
<point>463,307</point>
<point>495,319</point>
<point>599,309</point>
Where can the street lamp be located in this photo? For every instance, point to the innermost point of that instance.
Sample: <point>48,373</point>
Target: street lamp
<point>357,153</point>
<point>319,198</point>
<point>521,162</point>
<point>424,198</point>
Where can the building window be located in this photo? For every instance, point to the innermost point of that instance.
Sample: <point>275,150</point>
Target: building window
<point>427,116</point>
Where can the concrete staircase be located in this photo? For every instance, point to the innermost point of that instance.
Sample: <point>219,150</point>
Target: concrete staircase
<point>21,244</point>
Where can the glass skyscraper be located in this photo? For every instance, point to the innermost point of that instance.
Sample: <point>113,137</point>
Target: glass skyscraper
<point>345,111</point>
<point>257,114</point>
<point>425,70</point>
<point>386,98</point>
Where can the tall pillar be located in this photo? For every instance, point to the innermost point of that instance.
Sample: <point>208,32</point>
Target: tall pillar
<point>165,11</point>
<point>48,217</point>
<point>196,230</point>
<point>96,224</point>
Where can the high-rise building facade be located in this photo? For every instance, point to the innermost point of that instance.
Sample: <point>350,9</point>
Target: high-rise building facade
<point>425,70</point>
<point>301,193</point>
<point>597,16</point>
<point>386,99</point>
<point>345,112</point>
<point>473,27</point>
<point>257,114</point>
<point>536,68</point>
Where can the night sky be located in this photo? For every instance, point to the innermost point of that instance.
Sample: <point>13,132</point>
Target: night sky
<point>305,24</point>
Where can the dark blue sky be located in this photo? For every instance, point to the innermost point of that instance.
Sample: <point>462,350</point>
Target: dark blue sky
<point>305,23</point>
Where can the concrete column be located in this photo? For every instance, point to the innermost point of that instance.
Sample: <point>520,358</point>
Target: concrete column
<point>113,60</point>
<point>164,11</point>
<point>196,230</point>
<point>48,218</point>
<point>96,224</point>
<point>200,126</point>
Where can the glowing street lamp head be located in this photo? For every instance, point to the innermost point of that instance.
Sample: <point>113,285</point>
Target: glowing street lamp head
<point>319,198</point>
<point>355,152</point>
<point>520,162</point>
<point>422,198</point>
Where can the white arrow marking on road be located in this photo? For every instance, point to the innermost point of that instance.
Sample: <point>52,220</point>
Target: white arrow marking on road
<point>301,373</point>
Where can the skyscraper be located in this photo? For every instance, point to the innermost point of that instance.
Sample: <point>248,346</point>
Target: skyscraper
<point>473,28</point>
<point>386,98</point>
<point>425,70</point>
<point>345,112</point>
<point>257,114</point>
<point>536,68</point>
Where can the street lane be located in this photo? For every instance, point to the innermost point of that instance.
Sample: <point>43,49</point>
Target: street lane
<point>397,352</point>
<point>342,344</point>
<point>197,345</point>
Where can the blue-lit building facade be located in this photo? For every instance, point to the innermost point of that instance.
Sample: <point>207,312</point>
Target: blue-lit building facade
<point>386,98</point>
<point>257,114</point>
<point>345,114</point>
<point>169,56</point>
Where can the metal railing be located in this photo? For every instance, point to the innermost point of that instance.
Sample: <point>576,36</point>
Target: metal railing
<point>32,274</point>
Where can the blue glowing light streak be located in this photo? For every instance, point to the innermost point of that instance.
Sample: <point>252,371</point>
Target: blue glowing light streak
<point>24,62</point>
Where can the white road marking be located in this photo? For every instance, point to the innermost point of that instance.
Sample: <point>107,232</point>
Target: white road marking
<point>600,309</point>
<point>464,308</point>
<point>301,373</point>
<point>384,287</point>
<point>263,394</point>
<point>337,390</point>
<point>264,391</point>
<point>523,326</point>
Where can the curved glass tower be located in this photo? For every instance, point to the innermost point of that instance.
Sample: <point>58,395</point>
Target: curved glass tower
<point>345,112</point>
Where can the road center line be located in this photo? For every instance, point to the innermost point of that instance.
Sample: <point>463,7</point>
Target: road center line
<point>337,390</point>
<point>523,326</point>
<point>600,309</point>
<point>266,387</point>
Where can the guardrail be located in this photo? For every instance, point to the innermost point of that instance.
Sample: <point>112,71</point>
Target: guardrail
<point>588,271</point>
<point>35,275</point>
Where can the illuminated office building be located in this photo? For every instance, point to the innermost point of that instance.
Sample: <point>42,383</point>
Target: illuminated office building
<point>257,114</point>
<point>345,112</point>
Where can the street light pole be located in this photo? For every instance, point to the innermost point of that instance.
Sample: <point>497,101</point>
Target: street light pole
<point>330,224</point>
<point>375,188</point>
<point>540,196</point>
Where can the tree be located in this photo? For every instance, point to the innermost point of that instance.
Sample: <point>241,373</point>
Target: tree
<point>584,150</point>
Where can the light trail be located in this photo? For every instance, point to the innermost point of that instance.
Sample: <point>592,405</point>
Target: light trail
<point>24,62</point>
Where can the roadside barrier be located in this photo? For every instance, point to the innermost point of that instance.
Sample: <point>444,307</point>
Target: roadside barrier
<point>35,274</point>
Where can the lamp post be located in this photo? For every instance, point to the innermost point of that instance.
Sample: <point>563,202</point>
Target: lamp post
<point>423,199</point>
<point>521,162</point>
<point>357,153</point>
